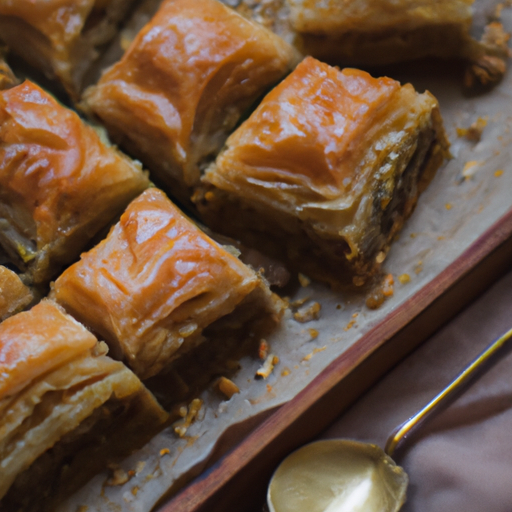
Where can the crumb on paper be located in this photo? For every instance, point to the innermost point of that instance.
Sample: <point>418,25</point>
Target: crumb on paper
<point>388,286</point>
<point>311,354</point>
<point>441,237</point>
<point>308,314</point>
<point>263,349</point>
<point>419,267</point>
<point>313,333</point>
<point>498,173</point>
<point>404,278</point>
<point>227,387</point>
<point>377,296</point>
<point>350,325</point>
<point>285,372</point>
<point>139,467</point>
<point>413,235</point>
<point>470,168</point>
<point>164,451</point>
<point>269,388</point>
<point>135,491</point>
<point>181,426</point>
<point>119,477</point>
<point>268,366</point>
<point>304,281</point>
<point>475,130</point>
<point>448,206</point>
<point>338,306</point>
<point>299,302</point>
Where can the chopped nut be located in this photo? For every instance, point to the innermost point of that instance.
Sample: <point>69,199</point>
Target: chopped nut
<point>448,206</point>
<point>313,333</point>
<point>263,349</point>
<point>181,426</point>
<point>164,451</point>
<point>267,368</point>
<point>474,132</point>
<point>285,372</point>
<point>404,278</point>
<point>119,477</point>
<point>498,173</point>
<point>308,314</point>
<point>227,387</point>
<point>387,288</point>
<point>299,302</point>
<point>135,491</point>
<point>304,280</point>
<point>140,467</point>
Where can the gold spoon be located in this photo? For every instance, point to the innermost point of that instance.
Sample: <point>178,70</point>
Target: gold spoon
<point>348,476</point>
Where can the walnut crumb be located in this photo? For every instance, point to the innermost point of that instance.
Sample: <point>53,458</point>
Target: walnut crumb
<point>227,387</point>
<point>308,314</point>
<point>267,368</point>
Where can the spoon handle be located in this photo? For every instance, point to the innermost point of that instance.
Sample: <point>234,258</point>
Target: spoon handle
<point>452,390</point>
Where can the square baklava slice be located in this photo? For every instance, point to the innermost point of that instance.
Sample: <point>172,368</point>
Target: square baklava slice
<point>157,287</point>
<point>66,408</point>
<point>183,85</point>
<point>326,170</point>
<point>62,38</point>
<point>60,184</point>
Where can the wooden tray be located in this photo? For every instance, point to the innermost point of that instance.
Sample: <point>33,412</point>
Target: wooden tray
<point>237,482</point>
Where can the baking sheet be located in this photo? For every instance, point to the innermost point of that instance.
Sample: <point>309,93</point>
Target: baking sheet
<point>468,195</point>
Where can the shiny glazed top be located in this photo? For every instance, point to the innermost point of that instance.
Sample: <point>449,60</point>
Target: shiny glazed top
<point>37,341</point>
<point>311,131</point>
<point>185,77</point>
<point>55,173</point>
<point>155,273</point>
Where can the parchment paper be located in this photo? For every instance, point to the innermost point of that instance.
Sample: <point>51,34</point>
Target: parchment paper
<point>470,193</point>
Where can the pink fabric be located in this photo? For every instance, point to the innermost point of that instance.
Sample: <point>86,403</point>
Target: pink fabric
<point>462,460</point>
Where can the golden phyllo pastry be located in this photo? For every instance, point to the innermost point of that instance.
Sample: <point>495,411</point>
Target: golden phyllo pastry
<point>326,170</point>
<point>62,38</point>
<point>59,183</point>
<point>66,409</point>
<point>14,295</point>
<point>183,85</point>
<point>157,286</point>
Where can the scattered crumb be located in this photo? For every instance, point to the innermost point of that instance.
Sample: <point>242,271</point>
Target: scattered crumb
<point>474,132</point>
<point>304,280</point>
<point>135,491</point>
<point>181,426</point>
<point>299,302</point>
<point>498,173</point>
<point>413,235</point>
<point>139,467</point>
<point>269,388</point>
<point>313,333</point>
<point>263,349</point>
<point>355,315</point>
<point>308,314</point>
<point>227,387</point>
<point>164,451</point>
<point>441,237</point>
<point>183,411</point>
<point>388,286</point>
<point>470,168</point>
<point>268,367</point>
<point>285,372</point>
<point>448,206</point>
<point>350,325</point>
<point>119,477</point>
<point>338,306</point>
<point>419,267</point>
<point>404,278</point>
<point>310,355</point>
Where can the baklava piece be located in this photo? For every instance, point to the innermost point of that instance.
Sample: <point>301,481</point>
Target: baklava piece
<point>326,170</point>
<point>60,184</point>
<point>158,286</point>
<point>62,38</point>
<point>183,85</point>
<point>369,32</point>
<point>14,295</point>
<point>66,408</point>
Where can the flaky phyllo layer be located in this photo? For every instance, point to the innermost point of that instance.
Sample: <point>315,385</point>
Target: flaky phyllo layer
<point>340,156</point>
<point>156,283</point>
<point>62,38</point>
<point>59,183</point>
<point>66,408</point>
<point>183,84</point>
